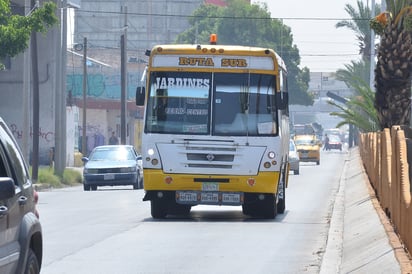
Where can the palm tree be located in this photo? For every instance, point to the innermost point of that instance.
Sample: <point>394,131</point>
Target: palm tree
<point>359,111</point>
<point>360,25</point>
<point>393,68</point>
<point>354,71</point>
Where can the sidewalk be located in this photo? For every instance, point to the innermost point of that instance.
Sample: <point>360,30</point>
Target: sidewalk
<point>361,238</point>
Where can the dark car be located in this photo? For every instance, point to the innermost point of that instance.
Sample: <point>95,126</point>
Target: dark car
<point>334,142</point>
<point>21,240</point>
<point>112,165</point>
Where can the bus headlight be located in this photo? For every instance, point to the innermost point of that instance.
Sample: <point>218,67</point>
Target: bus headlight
<point>150,151</point>
<point>271,155</point>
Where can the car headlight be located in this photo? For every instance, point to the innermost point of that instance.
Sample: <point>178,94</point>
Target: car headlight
<point>90,171</point>
<point>127,169</point>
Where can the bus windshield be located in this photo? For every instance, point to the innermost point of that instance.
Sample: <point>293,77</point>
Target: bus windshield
<point>225,104</point>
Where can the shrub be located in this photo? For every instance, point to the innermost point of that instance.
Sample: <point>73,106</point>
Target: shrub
<point>47,177</point>
<point>71,177</point>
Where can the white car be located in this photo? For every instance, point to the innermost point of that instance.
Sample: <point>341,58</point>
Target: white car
<point>293,158</point>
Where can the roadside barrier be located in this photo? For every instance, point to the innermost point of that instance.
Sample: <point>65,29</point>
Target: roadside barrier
<point>385,157</point>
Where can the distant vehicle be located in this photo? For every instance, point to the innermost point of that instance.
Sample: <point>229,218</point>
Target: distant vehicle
<point>21,241</point>
<point>336,132</point>
<point>308,148</point>
<point>112,165</point>
<point>303,129</point>
<point>335,142</point>
<point>293,158</point>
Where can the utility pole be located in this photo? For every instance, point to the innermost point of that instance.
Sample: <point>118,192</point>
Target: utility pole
<point>60,102</point>
<point>26,96</point>
<point>36,102</point>
<point>372,50</point>
<point>84,142</point>
<point>123,76</point>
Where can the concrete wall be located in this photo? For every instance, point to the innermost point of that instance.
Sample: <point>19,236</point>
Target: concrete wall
<point>12,93</point>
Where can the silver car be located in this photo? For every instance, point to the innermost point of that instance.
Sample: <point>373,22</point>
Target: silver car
<point>112,165</point>
<point>293,158</point>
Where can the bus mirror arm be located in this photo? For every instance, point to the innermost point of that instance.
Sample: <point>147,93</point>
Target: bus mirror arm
<point>282,100</point>
<point>140,96</point>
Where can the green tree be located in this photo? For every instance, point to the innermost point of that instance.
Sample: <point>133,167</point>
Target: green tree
<point>393,68</point>
<point>359,23</point>
<point>15,30</point>
<point>354,71</point>
<point>359,110</point>
<point>246,24</point>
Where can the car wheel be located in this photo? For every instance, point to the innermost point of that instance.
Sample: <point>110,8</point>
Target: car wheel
<point>296,172</point>
<point>32,265</point>
<point>94,188</point>
<point>86,187</point>
<point>317,162</point>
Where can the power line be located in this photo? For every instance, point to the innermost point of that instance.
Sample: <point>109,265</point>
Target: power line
<point>223,17</point>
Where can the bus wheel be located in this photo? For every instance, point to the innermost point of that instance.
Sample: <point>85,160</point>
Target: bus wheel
<point>179,209</point>
<point>249,209</point>
<point>269,208</point>
<point>158,208</point>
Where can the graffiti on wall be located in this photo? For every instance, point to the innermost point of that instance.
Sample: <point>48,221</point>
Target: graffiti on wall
<point>101,86</point>
<point>47,136</point>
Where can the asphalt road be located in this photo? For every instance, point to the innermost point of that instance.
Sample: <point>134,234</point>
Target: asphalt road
<point>111,231</point>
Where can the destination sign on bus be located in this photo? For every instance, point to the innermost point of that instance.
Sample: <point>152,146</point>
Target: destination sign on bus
<point>223,62</point>
<point>208,62</point>
<point>177,82</point>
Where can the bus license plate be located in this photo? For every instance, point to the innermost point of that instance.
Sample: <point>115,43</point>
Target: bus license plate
<point>187,197</point>
<point>231,198</point>
<point>209,197</point>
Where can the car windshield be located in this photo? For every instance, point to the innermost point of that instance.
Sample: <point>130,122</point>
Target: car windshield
<point>334,138</point>
<point>304,142</point>
<point>112,154</point>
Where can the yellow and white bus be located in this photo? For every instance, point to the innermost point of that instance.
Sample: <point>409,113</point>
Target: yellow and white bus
<point>216,129</point>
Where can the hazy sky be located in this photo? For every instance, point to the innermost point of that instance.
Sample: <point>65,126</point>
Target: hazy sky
<point>322,47</point>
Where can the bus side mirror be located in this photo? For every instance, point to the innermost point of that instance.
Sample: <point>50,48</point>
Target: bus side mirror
<point>282,100</point>
<point>140,96</point>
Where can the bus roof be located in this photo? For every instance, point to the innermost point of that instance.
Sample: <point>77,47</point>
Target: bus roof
<point>206,50</point>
